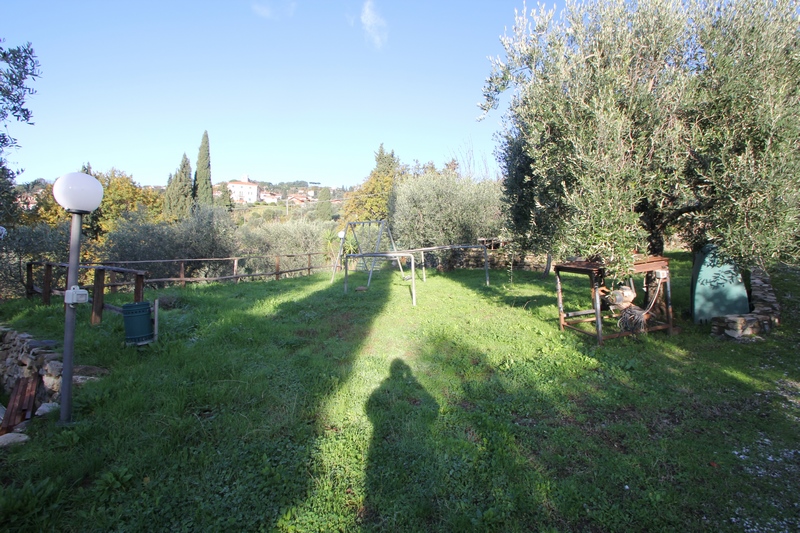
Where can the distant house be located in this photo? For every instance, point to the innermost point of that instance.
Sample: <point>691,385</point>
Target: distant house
<point>243,192</point>
<point>299,199</point>
<point>27,200</point>
<point>269,197</point>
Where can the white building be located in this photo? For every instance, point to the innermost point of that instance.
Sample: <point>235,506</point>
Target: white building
<point>243,192</point>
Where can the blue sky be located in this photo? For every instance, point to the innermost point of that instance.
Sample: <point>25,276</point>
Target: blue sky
<point>288,90</point>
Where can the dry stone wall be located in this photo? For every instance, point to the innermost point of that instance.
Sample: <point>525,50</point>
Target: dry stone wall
<point>23,356</point>
<point>498,260</point>
<point>765,316</point>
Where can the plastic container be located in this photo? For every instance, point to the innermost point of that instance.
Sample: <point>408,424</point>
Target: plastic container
<point>138,324</point>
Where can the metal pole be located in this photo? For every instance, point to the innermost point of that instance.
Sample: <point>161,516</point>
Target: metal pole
<point>69,320</point>
<point>486,264</point>
<point>413,285</point>
<point>345,272</point>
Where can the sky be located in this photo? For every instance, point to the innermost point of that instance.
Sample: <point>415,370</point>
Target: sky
<point>287,90</point>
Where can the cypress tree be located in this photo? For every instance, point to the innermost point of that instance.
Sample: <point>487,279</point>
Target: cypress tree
<point>202,188</point>
<point>178,199</point>
<point>324,211</point>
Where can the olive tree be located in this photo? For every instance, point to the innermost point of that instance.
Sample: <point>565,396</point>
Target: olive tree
<point>631,120</point>
<point>437,208</point>
<point>38,242</point>
<point>207,232</point>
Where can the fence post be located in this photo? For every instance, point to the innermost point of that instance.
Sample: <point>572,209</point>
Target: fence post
<point>29,279</point>
<point>97,295</point>
<point>309,264</point>
<point>138,288</point>
<point>47,283</point>
<point>236,268</point>
<point>183,272</point>
<point>277,267</point>
<point>112,280</point>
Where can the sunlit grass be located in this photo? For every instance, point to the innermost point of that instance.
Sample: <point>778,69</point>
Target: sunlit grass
<point>293,406</point>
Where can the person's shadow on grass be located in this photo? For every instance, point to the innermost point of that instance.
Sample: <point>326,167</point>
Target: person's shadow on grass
<point>401,465</point>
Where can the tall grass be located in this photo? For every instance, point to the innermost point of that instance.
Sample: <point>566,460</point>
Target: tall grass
<point>292,406</point>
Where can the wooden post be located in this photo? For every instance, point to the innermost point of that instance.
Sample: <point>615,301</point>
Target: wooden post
<point>47,283</point>
<point>278,265</point>
<point>112,279</point>
<point>138,289</point>
<point>29,279</point>
<point>97,295</point>
<point>309,264</point>
<point>236,268</point>
<point>183,273</point>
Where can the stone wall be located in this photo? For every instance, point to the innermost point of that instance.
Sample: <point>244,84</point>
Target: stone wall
<point>765,316</point>
<point>23,356</point>
<point>498,260</point>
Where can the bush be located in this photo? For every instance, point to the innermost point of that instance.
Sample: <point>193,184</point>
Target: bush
<point>442,208</point>
<point>265,241</point>
<point>30,243</point>
<point>208,232</point>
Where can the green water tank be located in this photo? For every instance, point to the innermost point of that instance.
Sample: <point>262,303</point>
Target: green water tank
<point>717,287</point>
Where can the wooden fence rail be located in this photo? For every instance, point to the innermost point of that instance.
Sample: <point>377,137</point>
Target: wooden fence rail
<point>99,285</point>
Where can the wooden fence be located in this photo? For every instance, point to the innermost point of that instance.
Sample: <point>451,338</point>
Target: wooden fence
<point>138,278</point>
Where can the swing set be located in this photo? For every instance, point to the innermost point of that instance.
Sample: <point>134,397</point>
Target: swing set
<point>369,235</point>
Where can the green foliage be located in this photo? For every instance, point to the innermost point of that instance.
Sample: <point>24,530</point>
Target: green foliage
<point>18,67</point>
<point>438,208</point>
<point>370,201</point>
<point>225,200</point>
<point>39,242</point>
<point>30,506</point>
<point>265,240</point>
<point>745,145</point>
<point>633,120</point>
<point>178,197</point>
<point>203,190</point>
<point>121,195</point>
<point>206,233</point>
<point>324,210</point>
<point>9,209</point>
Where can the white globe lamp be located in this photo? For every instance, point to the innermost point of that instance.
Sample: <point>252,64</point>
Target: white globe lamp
<point>79,194</point>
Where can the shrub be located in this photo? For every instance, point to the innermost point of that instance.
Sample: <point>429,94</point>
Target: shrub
<point>30,243</point>
<point>442,208</point>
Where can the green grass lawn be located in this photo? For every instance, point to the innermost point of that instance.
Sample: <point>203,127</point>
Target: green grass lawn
<point>291,406</point>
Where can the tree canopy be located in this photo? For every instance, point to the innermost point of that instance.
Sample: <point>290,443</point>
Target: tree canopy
<point>18,67</point>
<point>203,190</point>
<point>121,195</point>
<point>324,209</point>
<point>437,208</point>
<point>178,197</point>
<point>630,121</point>
<point>370,201</point>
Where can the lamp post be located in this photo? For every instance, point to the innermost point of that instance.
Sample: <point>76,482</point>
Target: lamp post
<point>79,194</point>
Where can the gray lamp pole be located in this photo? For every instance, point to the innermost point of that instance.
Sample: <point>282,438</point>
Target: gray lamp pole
<point>79,194</point>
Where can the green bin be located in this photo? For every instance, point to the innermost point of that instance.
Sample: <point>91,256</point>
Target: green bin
<point>138,325</point>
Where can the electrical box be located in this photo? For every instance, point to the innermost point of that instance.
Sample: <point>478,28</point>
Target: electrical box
<point>76,295</point>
